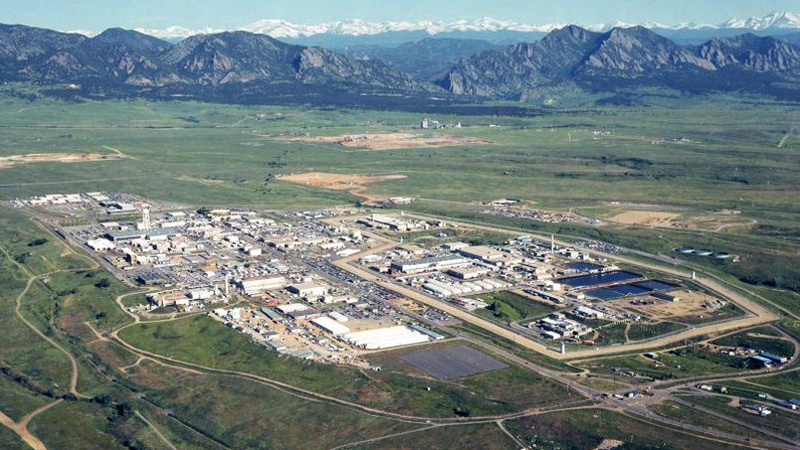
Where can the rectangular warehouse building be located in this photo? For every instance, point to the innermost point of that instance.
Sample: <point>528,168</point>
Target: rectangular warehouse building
<point>257,285</point>
<point>331,326</point>
<point>432,263</point>
<point>385,338</point>
<point>308,289</point>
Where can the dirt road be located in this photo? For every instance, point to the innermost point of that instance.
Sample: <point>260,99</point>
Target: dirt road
<point>21,427</point>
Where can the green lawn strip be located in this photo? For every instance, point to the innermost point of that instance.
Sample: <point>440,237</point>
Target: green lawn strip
<point>506,307</point>
<point>789,382</point>
<point>746,339</point>
<point>673,364</point>
<point>642,331</point>
<point>753,391</point>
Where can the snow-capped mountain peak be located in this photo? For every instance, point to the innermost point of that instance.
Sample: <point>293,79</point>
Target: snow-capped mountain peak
<point>772,20</point>
<point>177,32</point>
<point>356,27</point>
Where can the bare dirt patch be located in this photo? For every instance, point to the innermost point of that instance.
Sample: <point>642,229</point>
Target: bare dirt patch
<point>691,304</point>
<point>722,220</point>
<point>14,160</point>
<point>645,218</point>
<point>355,184</point>
<point>609,444</point>
<point>205,181</point>
<point>392,141</point>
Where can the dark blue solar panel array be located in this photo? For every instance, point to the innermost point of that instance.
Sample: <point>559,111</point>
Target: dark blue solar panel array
<point>621,290</point>
<point>630,289</point>
<point>599,278</point>
<point>604,294</point>
<point>584,266</point>
<point>656,285</point>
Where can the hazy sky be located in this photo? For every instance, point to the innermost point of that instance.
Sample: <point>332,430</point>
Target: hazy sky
<point>96,15</point>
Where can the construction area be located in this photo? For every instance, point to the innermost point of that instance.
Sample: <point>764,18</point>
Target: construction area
<point>354,184</point>
<point>645,218</point>
<point>392,141</point>
<point>31,158</point>
<point>687,303</point>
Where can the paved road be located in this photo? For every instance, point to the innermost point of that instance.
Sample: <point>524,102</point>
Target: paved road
<point>344,264</point>
<point>757,314</point>
<point>584,392</point>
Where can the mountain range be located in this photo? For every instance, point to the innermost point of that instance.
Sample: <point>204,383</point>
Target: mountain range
<point>282,29</point>
<point>628,57</point>
<point>119,58</point>
<point>241,66</point>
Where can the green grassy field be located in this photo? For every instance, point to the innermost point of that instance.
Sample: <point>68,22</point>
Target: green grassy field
<point>588,428</point>
<point>674,364</point>
<point>780,421</point>
<point>683,413</point>
<point>238,413</point>
<point>200,154</point>
<point>194,154</point>
<point>745,389</point>
<point>23,351</point>
<point>33,371</point>
<point>509,307</point>
<point>481,436</point>
<point>750,339</point>
<point>202,340</point>
<point>9,440</point>
<point>88,426</point>
<point>15,400</point>
<point>642,331</point>
<point>610,335</point>
<point>788,382</point>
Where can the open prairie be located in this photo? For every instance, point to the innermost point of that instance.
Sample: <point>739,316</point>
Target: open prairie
<point>205,155</point>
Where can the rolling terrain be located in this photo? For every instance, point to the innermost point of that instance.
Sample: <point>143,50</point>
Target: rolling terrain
<point>627,143</point>
<point>245,67</point>
<point>627,57</point>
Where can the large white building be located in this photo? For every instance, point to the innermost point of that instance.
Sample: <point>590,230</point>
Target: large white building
<point>432,263</point>
<point>331,326</point>
<point>257,285</point>
<point>385,338</point>
<point>100,245</point>
<point>308,289</point>
<point>468,273</point>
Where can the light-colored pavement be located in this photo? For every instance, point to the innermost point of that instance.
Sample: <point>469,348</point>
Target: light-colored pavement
<point>757,314</point>
<point>518,339</point>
